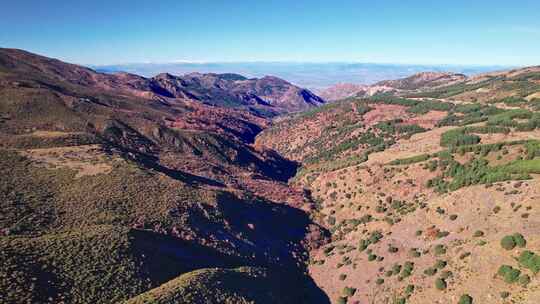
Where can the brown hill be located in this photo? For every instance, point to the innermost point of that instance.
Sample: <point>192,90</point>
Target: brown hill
<point>428,197</point>
<point>82,150</point>
<point>267,96</point>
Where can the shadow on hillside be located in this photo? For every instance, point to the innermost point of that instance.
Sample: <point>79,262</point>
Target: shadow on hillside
<point>168,257</point>
<point>188,178</point>
<point>273,235</point>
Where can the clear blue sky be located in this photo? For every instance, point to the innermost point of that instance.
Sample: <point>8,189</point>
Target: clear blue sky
<point>426,32</point>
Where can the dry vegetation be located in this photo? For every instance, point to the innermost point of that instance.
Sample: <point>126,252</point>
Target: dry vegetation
<point>110,194</point>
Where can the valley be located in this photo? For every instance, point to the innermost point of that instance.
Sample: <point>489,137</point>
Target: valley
<point>217,188</point>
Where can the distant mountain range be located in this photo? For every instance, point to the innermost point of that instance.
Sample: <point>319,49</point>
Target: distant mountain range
<point>314,76</point>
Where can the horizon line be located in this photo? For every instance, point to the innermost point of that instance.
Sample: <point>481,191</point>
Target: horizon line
<point>203,62</point>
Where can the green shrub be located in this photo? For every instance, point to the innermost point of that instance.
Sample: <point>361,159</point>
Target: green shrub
<point>530,261</point>
<point>458,137</point>
<point>508,242</point>
<point>478,233</point>
<point>440,284</point>
<point>465,299</point>
<point>431,271</point>
<point>440,264</point>
<point>519,240</point>
<point>503,269</point>
<point>349,291</point>
<point>453,217</point>
<point>342,277</point>
<point>407,269</point>
<point>509,274</point>
<point>363,245</point>
<point>409,289</point>
<point>414,253</point>
<point>504,294</point>
<point>341,300</point>
<point>524,280</point>
<point>379,281</point>
<point>439,249</point>
<point>392,249</point>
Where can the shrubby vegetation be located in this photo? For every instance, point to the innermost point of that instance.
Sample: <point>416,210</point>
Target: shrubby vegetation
<point>530,260</point>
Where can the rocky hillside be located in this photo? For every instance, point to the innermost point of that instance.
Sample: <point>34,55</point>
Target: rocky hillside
<point>270,94</point>
<point>112,189</point>
<point>432,198</point>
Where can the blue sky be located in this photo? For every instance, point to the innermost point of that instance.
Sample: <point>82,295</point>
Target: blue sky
<point>412,32</point>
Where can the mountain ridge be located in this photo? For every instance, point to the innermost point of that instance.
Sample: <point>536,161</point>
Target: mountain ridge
<point>270,94</point>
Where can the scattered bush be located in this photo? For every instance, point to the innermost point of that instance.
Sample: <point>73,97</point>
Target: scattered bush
<point>407,269</point>
<point>465,299</point>
<point>458,137</point>
<point>530,261</point>
<point>440,284</point>
<point>396,269</point>
<point>409,289</point>
<point>509,274</point>
<point>349,291</point>
<point>519,240</point>
<point>431,271</point>
<point>524,280</point>
<point>508,242</point>
<point>414,253</point>
<point>504,294</point>
<point>478,233</point>
<point>440,264</point>
<point>440,249</point>
<point>392,249</point>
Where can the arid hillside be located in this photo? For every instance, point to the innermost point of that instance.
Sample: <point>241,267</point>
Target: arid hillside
<point>110,190</point>
<point>431,196</point>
